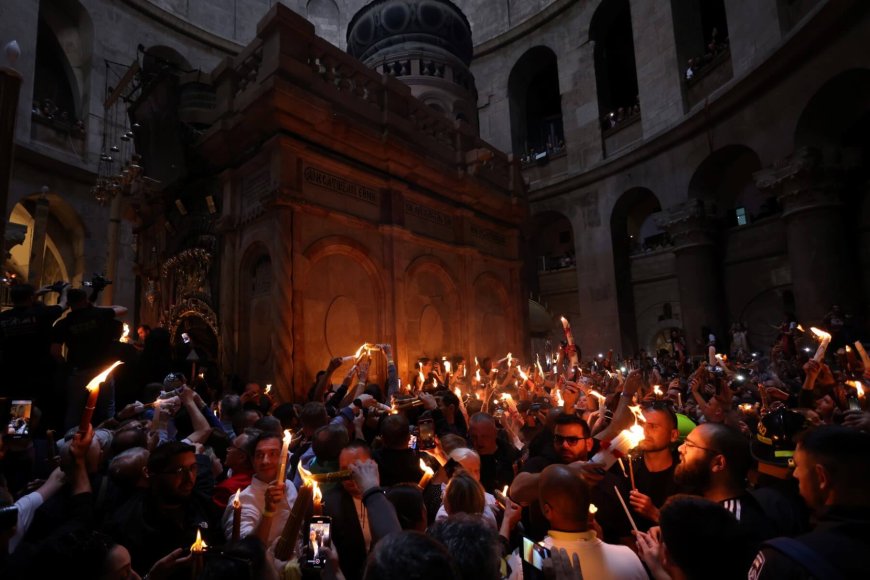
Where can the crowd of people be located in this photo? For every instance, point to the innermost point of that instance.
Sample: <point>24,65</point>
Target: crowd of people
<point>751,466</point>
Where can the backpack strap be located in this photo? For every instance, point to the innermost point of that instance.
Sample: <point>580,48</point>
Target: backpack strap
<point>815,564</point>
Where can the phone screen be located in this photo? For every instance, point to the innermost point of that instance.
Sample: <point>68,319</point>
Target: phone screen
<point>535,553</point>
<point>319,537</point>
<point>427,434</point>
<point>19,418</point>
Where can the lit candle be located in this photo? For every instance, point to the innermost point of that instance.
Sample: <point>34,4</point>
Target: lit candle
<point>196,550</point>
<point>93,393</point>
<point>826,339</point>
<point>865,360</point>
<point>282,470</point>
<point>290,534</point>
<point>237,515</point>
<point>510,402</point>
<point>125,336</point>
<point>268,388</point>
<point>657,392</point>
<point>427,474</point>
<point>592,509</point>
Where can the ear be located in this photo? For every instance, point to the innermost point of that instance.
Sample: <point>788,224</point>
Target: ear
<point>718,464</point>
<point>675,435</point>
<point>589,444</point>
<point>823,477</point>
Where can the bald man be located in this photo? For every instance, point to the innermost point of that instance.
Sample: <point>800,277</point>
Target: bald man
<point>564,500</point>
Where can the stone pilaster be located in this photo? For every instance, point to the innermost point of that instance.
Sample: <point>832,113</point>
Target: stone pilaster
<point>692,226</point>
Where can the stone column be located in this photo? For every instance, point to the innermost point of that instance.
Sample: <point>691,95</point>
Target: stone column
<point>809,192</point>
<point>37,246</point>
<point>10,86</point>
<point>283,303</point>
<point>692,228</point>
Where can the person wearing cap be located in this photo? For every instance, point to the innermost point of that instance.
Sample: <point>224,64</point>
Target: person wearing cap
<point>832,467</point>
<point>714,463</point>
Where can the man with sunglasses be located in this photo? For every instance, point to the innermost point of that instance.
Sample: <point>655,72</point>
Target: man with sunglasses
<point>714,463</point>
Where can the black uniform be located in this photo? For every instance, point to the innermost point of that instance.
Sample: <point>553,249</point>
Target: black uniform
<point>26,365</point>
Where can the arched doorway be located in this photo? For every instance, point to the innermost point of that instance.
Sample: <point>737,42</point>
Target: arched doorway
<point>536,105</point>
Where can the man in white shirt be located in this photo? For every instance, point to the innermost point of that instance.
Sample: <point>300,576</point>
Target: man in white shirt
<point>265,504</point>
<point>564,499</point>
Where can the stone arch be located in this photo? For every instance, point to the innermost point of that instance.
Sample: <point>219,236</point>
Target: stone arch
<point>434,309</point>
<point>615,69</point>
<point>535,103</point>
<point>63,59</point>
<point>725,179</point>
<point>64,240</point>
<point>633,230</point>
<point>325,16</point>
<point>694,23</point>
<point>256,313</point>
<point>492,322</point>
<point>342,292</point>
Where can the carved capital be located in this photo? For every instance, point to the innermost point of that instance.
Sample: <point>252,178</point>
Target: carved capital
<point>804,181</point>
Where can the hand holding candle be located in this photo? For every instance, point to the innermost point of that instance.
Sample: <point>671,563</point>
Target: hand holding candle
<point>93,388</point>
<point>427,474</point>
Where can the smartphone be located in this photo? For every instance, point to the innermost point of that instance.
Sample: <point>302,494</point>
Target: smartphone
<point>412,442</point>
<point>19,419</point>
<point>319,537</point>
<point>427,434</point>
<point>535,553</point>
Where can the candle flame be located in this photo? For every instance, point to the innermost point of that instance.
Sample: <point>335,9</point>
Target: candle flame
<point>560,402</point>
<point>268,388</point>
<point>446,364</point>
<point>820,333</point>
<point>657,391</point>
<point>458,393</point>
<point>592,509</point>
<point>848,349</point>
<point>746,407</point>
<point>564,321</point>
<point>125,336</point>
<point>597,395</point>
<point>638,414</point>
<point>504,492</point>
<point>426,469</point>
<point>634,434</point>
<point>305,475</point>
<point>858,387</point>
<point>477,396</point>
<point>317,495</point>
<point>288,436</point>
<point>199,545</point>
<point>237,502</point>
<point>506,397</point>
<point>522,374</point>
<point>477,375</point>
<point>801,328</point>
<point>101,378</point>
<point>510,360</point>
<point>359,351</point>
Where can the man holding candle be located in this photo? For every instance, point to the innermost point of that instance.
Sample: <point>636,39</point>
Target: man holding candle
<point>564,500</point>
<point>267,501</point>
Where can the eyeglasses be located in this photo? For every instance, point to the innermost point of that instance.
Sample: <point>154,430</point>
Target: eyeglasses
<point>184,469</point>
<point>571,440</point>
<point>688,443</point>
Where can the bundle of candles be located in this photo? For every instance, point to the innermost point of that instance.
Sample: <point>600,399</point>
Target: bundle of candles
<point>308,501</point>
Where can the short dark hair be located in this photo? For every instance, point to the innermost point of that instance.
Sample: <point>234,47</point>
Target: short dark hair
<point>313,415</point>
<point>731,443</point>
<point>693,528</point>
<point>20,293</point>
<point>76,296</point>
<point>572,419</point>
<point>161,457</point>
<point>407,499</point>
<point>845,453</point>
<point>395,431</point>
<point>269,423</point>
<point>328,441</point>
<point>663,406</point>
<point>410,556</point>
<point>464,494</point>
<point>472,543</point>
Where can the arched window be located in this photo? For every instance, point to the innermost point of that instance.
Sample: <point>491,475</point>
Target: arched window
<point>615,70</point>
<point>323,14</point>
<point>536,104</point>
<point>702,42</point>
<point>725,178</point>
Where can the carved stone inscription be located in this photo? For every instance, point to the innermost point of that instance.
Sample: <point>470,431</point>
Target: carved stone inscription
<point>340,185</point>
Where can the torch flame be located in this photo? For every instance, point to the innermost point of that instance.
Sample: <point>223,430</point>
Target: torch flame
<point>426,468</point>
<point>101,378</point>
<point>820,333</point>
<point>199,545</point>
<point>237,502</point>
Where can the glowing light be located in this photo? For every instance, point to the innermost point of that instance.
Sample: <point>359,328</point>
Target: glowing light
<point>199,545</point>
<point>268,388</point>
<point>125,336</point>
<point>858,387</point>
<point>592,509</point>
<point>237,502</point>
<point>597,395</point>
<point>657,391</point>
<point>101,378</point>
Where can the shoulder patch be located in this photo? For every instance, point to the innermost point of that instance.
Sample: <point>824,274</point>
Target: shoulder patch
<point>757,565</point>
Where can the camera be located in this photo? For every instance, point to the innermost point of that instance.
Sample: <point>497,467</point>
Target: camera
<point>98,282</point>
